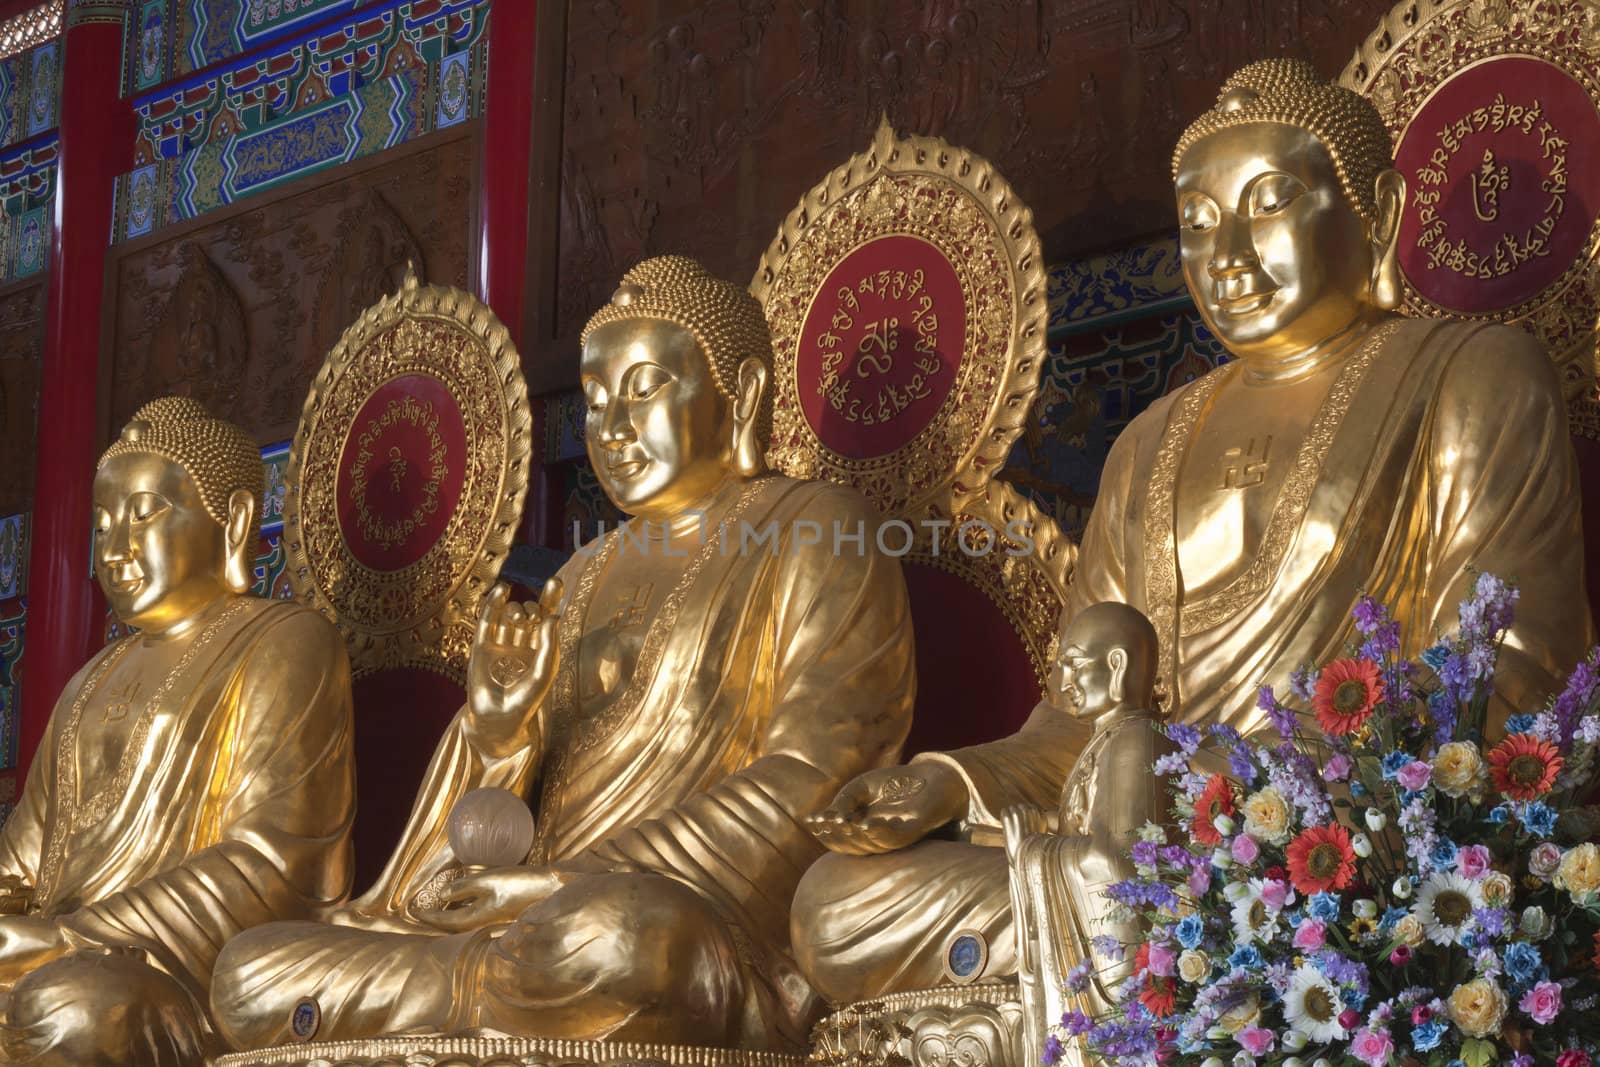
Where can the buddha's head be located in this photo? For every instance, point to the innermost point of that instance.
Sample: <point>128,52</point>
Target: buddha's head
<point>175,514</point>
<point>674,373</point>
<point>1106,660</point>
<point>1289,207</point>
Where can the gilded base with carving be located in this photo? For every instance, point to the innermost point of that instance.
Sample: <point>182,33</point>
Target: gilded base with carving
<point>460,1051</point>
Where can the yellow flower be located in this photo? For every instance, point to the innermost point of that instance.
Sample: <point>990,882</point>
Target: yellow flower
<point>1496,889</point>
<point>1579,873</point>
<point>1478,1007</point>
<point>1361,928</point>
<point>1408,930</point>
<point>1241,1016</point>
<point>1266,817</point>
<point>1194,966</point>
<point>1458,768</point>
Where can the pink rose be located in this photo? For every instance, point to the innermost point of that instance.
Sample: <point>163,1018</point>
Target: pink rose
<point>1373,1047</point>
<point>1544,861</point>
<point>1244,850</point>
<point>1275,894</point>
<point>1472,862</point>
<point>1338,768</point>
<point>1163,961</point>
<point>1542,1002</point>
<point>1256,1041</point>
<point>1310,935</point>
<point>1573,1057</point>
<point>1200,881</point>
<point>1414,775</point>
<point>1421,1014</point>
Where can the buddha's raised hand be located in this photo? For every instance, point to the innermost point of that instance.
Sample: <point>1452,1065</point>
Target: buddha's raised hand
<point>514,660</point>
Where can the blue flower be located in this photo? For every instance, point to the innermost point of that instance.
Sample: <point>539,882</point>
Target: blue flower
<point>1444,853</point>
<point>1189,931</point>
<point>1435,656</point>
<point>1499,814</point>
<point>1392,764</point>
<point>1324,906</point>
<point>1247,957</point>
<point>1539,818</point>
<point>1357,789</point>
<point>1523,963</point>
<point>1520,724</point>
<point>1353,997</point>
<point>1391,917</point>
<point>1427,1036</point>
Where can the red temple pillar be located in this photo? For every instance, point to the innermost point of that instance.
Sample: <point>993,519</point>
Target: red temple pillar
<point>65,617</point>
<point>507,131</point>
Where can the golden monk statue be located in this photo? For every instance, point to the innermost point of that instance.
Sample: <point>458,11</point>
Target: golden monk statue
<point>1344,450</point>
<point>881,912</point>
<point>1058,878</point>
<point>195,779</point>
<point>721,666</point>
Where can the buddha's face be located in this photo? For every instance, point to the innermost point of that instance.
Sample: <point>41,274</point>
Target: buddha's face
<point>658,432</point>
<point>1082,681</point>
<point>1276,257</point>
<point>159,556</point>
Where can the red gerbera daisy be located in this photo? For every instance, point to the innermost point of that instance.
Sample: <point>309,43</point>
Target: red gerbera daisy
<point>1321,859</point>
<point>1347,691</point>
<point>1216,800</point>
<point>1160,995</point>
<point>1524,767</point>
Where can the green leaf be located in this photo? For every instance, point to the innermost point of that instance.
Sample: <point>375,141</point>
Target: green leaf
<point>1476,1052</point>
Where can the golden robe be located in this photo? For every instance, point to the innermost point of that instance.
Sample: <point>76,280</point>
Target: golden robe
<point>770,676</point>
<point>231,806</point>
<point>1442,450</point>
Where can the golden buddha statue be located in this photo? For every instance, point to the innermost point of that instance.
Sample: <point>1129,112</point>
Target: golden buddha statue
<point>720,667</point>
<point>1109,656</point>
<point>1343,451</point>
<point>881,911</point>
<point>195,779</point>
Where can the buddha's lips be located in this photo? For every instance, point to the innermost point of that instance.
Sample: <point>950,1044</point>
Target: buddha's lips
<point>1245,303</point>
<point>125,577</point>
<point>626,469</point>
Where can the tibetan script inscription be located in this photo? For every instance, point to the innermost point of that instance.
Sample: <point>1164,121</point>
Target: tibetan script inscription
<point>881,345</point>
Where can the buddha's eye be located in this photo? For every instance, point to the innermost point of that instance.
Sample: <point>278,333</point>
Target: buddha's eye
<point>1199,213</point>
<point>594,397</point>
<point>1273,193</point>
<point>146,506</point>
<point>646,381</point>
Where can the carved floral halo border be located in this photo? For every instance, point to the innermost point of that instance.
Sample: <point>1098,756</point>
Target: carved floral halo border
<point>421,614</point>
<point>1419,47</point>
<point>919,187</point>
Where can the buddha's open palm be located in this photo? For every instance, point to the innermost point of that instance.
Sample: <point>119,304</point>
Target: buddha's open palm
<point>514,659</point>
<point>890,807</point>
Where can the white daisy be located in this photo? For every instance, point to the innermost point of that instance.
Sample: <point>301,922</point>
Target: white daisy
<point>1253,918</point>
<point>1312,1005</point>
<point>1444,907</point>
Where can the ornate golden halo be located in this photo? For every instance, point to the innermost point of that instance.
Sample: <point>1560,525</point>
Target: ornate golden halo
<point>906,297</point>
<point>406,477</point>
<point>1429,60</point>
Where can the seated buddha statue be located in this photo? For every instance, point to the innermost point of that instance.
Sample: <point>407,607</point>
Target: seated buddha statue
<point>680,697</point>
<point>1343,450</point>
<point>195,778</point>
<point>880,912</point>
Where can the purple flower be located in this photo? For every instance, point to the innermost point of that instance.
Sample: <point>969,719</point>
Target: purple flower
<point>1338,768</point>
<point>1576,696</point>
<point>1414,775</point>
<point>1185,737</point>
<point>1303,684</point>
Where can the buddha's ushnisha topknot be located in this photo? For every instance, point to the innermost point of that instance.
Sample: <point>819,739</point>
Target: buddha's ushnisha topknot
<point>218,455</point>
<point>1289,91</point>
<point>725,320</point>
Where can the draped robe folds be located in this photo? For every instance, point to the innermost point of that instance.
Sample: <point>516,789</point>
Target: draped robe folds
<point>1449,454</point>
<point>236,810</point>
<point>771,675</point>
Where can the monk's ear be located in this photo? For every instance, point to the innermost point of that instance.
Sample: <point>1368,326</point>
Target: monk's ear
<point>1389,189</point>
<point>1117,660</point>
<point>749,454</point>
<point>238,568</point>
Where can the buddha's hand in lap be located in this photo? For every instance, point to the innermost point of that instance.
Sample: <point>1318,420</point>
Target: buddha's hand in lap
<point>514,660</point>
<point>28,942</point>
<point>890,808</point>
<point>500,894</point>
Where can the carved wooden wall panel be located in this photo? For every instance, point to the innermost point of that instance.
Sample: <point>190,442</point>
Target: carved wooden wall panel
<point>239,307</point>
<point>21,347</point>
<point>693,125</point>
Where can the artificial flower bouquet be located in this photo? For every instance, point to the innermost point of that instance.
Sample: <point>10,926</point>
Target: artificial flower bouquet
<point>1402,883</point>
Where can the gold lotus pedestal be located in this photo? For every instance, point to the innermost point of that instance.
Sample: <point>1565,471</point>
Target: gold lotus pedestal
<point>977,1025</point>
<point>447,1051</point>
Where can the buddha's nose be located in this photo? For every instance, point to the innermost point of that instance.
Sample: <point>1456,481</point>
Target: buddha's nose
<point>1234,253</point>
